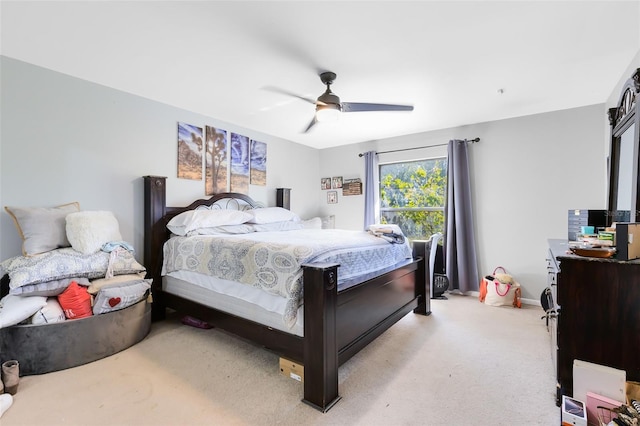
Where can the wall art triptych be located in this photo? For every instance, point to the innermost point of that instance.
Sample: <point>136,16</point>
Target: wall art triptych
<point>230,163</point>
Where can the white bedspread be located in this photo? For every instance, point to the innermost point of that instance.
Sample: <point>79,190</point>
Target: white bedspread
<point>272,261</point>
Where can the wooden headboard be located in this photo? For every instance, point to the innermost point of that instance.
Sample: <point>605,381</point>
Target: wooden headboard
<point>157,214</point>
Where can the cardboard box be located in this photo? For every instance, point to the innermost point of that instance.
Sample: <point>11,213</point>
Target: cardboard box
<point>627,241</point>
<point>573,412</point>
<point>292,369</point>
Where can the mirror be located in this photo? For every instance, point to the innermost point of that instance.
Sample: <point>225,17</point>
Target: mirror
<point>624,174</point>
<point>625,170</point>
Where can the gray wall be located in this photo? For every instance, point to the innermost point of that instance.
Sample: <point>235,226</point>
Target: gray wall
<point>527,172</point>
<point>64,139</point>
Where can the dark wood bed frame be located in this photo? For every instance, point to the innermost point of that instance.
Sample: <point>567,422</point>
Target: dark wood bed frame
<point>336,324</point>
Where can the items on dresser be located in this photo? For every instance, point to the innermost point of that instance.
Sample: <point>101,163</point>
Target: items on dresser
<point>577,219</point>
<point>582,222</point>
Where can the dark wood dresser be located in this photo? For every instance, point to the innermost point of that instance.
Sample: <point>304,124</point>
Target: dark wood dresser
<point>598,313</point>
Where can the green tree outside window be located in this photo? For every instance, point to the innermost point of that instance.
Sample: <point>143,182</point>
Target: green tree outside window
<point>412,195</point>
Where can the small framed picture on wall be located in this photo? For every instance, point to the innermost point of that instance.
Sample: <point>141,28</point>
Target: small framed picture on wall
<point>337,182</point>
<point>332,197</point>
<point>325,183</point>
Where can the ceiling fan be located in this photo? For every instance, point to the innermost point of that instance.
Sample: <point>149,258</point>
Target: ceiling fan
<point>329,107</point>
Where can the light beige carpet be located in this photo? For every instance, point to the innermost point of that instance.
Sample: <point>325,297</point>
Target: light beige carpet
<point>466,364</point>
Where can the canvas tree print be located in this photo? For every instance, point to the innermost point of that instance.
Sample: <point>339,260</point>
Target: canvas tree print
<point>189,151</point>
<point>239,163</point>
<point>216,178</point>
<point>258,163</point>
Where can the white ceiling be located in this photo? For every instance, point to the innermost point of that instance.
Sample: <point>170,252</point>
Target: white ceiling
<point>456,62</point>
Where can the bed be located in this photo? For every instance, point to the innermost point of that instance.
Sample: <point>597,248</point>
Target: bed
<point>339,317</point>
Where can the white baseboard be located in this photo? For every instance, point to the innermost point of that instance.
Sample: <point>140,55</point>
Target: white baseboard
<point>523,300</point>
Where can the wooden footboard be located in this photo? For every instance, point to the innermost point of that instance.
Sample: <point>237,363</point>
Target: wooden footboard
<point>336,324</point>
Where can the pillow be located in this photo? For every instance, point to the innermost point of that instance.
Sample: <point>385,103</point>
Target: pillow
<point>75,302</point>
<point>96,285</point>
<point>42,228</point>
<point>67,263</point>
<point>47,289</point>
<point>119,296</point>
<point>313,223</point>
<point>88,231</point>
<point>277,226</point>
<point>271,214</point>
<point>328,222</point>
<point>243,228</point>
<point>50,313</point>
<point>205,218</point>
<point>14,309</point>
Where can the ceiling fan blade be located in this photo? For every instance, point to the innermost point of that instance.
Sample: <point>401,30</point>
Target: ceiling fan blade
<point>358,107</point>
<point>287,93</point>
<point>311,124</point>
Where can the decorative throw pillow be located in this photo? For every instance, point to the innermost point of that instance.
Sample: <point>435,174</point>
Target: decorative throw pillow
<point>88,231</point>
<point>42,229</point>
<point>190,220</point>
<point>119,296</point>
<point>271,214</point>
<point>75,302</point>
<point>50,313</point>
<point>14,309</point>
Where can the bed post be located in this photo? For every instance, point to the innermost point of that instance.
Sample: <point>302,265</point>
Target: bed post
<point>154,209</point>
<point>320,343</point>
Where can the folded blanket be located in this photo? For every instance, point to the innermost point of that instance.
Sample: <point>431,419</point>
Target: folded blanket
<point>389,232</point>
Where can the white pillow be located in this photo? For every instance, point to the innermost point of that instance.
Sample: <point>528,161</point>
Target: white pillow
<point>328,222</point>
<point>243,228</point>
<point>88,231</point>
<point>313,223</point>
<point>205,218</point>
<point>271,214</point>
<point>277,226</point>
<point>42,229</point>
<point>14,309</point>
<point>50,313</point>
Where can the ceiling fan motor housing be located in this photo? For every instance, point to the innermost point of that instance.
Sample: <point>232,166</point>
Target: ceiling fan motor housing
<point>328,98</point>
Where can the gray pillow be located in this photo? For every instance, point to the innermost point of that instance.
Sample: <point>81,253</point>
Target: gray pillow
<point>42,229</point>
<point>49,288</point>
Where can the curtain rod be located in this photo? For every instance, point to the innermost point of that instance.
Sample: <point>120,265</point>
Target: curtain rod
<point>474,140</point>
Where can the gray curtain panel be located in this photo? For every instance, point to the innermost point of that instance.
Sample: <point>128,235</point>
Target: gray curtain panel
<point>370,188</point>
<point>460,241</point>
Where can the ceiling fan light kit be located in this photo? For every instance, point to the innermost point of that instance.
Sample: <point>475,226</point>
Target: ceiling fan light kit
<point>329,107</point>
<point>328,112</point>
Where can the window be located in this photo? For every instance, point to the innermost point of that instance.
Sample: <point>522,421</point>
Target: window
<point>412,195</point>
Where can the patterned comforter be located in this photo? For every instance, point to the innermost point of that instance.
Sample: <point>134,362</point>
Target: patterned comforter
<point>272,261</point>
